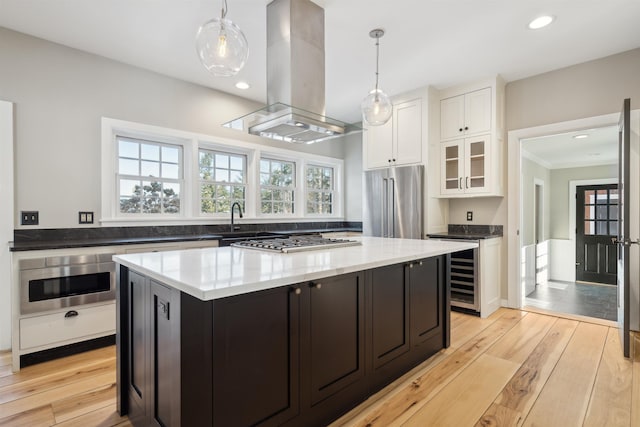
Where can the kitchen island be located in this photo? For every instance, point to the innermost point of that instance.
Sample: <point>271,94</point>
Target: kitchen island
<point>235,337</point>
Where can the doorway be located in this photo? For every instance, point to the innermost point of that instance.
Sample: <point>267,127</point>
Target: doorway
<point>564,227</point>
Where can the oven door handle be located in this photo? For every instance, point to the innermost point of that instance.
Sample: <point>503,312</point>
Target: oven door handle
<point>71,313</point>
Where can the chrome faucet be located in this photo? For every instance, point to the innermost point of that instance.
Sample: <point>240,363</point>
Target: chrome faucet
<point>233,228</point>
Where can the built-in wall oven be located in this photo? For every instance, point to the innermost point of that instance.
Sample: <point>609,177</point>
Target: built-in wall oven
<point>65,281</point>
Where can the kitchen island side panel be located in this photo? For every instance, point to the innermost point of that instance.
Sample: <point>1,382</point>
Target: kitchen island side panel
<point>235,348</point>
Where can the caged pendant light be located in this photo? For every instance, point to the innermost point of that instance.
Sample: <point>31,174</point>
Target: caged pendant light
<point>376,107</point>
<point>221,45</point>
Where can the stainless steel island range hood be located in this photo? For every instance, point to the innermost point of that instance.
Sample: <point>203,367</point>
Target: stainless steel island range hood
<point>295,78</point>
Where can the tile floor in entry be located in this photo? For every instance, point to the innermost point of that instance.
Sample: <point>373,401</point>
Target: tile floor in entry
<point>583,299</point>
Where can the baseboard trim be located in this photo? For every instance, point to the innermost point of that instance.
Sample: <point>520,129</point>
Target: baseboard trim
<point>66,350</point>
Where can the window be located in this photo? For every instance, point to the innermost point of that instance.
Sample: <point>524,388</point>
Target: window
<point>222,181</point>
<point>158,176</point>
<point>601,210</point>
<point>149,177</point>
<point>277,186</point>
<point>320,190</point>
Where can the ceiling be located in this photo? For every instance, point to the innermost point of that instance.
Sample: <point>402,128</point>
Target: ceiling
<point>427,42</point>
<point>600,147</point>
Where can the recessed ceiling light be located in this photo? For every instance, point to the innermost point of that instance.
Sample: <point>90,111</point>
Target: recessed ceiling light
<point>581,136</point>
<point>540,22</point>
<point>242,85</point>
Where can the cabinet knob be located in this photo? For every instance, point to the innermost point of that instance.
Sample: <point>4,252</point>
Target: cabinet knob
<point>419,262</point>
<point>297,291</point>
<point>394,160</point>
<point>389,160</point>
<point>316,285</point>
<point>410,265</point>
<point>466,128</point>
<point>460,130</point>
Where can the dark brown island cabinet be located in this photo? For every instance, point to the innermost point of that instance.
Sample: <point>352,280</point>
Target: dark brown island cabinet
<point>295,355</point>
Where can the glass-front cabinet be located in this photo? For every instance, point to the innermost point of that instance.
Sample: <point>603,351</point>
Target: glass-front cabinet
<point>464,165</point>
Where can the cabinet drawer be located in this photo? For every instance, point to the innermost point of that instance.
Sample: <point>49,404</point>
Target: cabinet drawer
<point>54,328</point>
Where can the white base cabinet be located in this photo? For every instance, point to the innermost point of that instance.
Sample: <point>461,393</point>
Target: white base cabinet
<point>489,268</point>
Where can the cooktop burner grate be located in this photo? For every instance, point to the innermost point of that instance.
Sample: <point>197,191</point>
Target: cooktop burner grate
<point>295,244</point>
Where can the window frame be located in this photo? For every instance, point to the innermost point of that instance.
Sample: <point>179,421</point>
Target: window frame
<point>180,180</point>
<point>190,187</point>
<point>294,188</point>
<point>223,151</point>
<point>307,190</point>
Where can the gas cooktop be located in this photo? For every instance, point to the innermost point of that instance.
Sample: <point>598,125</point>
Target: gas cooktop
<point>295,244</point>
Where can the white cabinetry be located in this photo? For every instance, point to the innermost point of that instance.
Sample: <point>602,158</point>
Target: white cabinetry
<point>490,254</point>
<point>468,114</point>
<point>471,134</point>
<point>397,142</point>
<point>465,163</point>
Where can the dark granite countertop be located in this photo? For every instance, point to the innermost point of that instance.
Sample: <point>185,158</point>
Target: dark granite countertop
<point>469,232</point>
<point>43,239</point>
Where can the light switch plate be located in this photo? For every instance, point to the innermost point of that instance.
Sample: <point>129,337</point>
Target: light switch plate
<point>29,217</point>
<point>85,217</point>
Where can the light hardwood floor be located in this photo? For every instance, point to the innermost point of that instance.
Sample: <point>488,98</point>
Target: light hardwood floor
<point>513,368</point>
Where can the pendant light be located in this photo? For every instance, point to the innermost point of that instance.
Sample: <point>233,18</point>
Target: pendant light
<point>221,45</point>
<point>376,107</point>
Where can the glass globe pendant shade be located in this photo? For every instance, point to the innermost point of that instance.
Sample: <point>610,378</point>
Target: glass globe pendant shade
<point>222,47</point>
<point>376,108</point>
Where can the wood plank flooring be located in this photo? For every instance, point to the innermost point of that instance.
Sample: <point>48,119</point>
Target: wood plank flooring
<point>513,368</point>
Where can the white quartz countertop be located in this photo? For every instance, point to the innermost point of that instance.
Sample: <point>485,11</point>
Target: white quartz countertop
<point>212,273</point>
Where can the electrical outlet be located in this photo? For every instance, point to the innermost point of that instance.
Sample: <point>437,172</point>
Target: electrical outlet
<point>469,216</point>
<point>29,218</point>
<point>85,217</point>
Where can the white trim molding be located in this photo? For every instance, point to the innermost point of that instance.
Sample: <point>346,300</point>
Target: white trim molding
<point>190,197</point>
<point>7,216</point>
<point>514,208</point>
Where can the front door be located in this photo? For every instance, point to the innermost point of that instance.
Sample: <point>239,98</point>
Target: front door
<point>596,225</point>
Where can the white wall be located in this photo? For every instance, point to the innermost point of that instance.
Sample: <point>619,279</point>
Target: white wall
<point>353,176</point>
<point>60,96</point>
<point>6,220</point>
<point>560,197</point>
<point>533,172</point>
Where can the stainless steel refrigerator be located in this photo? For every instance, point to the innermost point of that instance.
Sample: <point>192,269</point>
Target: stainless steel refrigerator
<point>392,205</point>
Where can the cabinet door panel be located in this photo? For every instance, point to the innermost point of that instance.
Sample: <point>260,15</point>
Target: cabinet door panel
<point>477,163</point>
<point>336,334</point>
<point>377,143</point>
<point>407,128</point>
<point>163,349</point>
<point>452,117</point>
<point>426,300</point>
<point>390,314</point>
<point>138,336</point>
<point>255,358</point>
<point>478,111</point>
<point>452,167</point>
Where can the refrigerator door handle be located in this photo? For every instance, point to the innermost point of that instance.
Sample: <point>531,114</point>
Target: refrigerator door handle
<point>385,209</point>
<point>392,208</point>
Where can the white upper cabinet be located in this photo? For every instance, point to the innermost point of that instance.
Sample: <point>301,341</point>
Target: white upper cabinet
<point>377,142</point>
<point>466,114</point>
<point>471,140</point>
<point>407,132</point>
<point>397,142</point>
<point>465,165</point>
